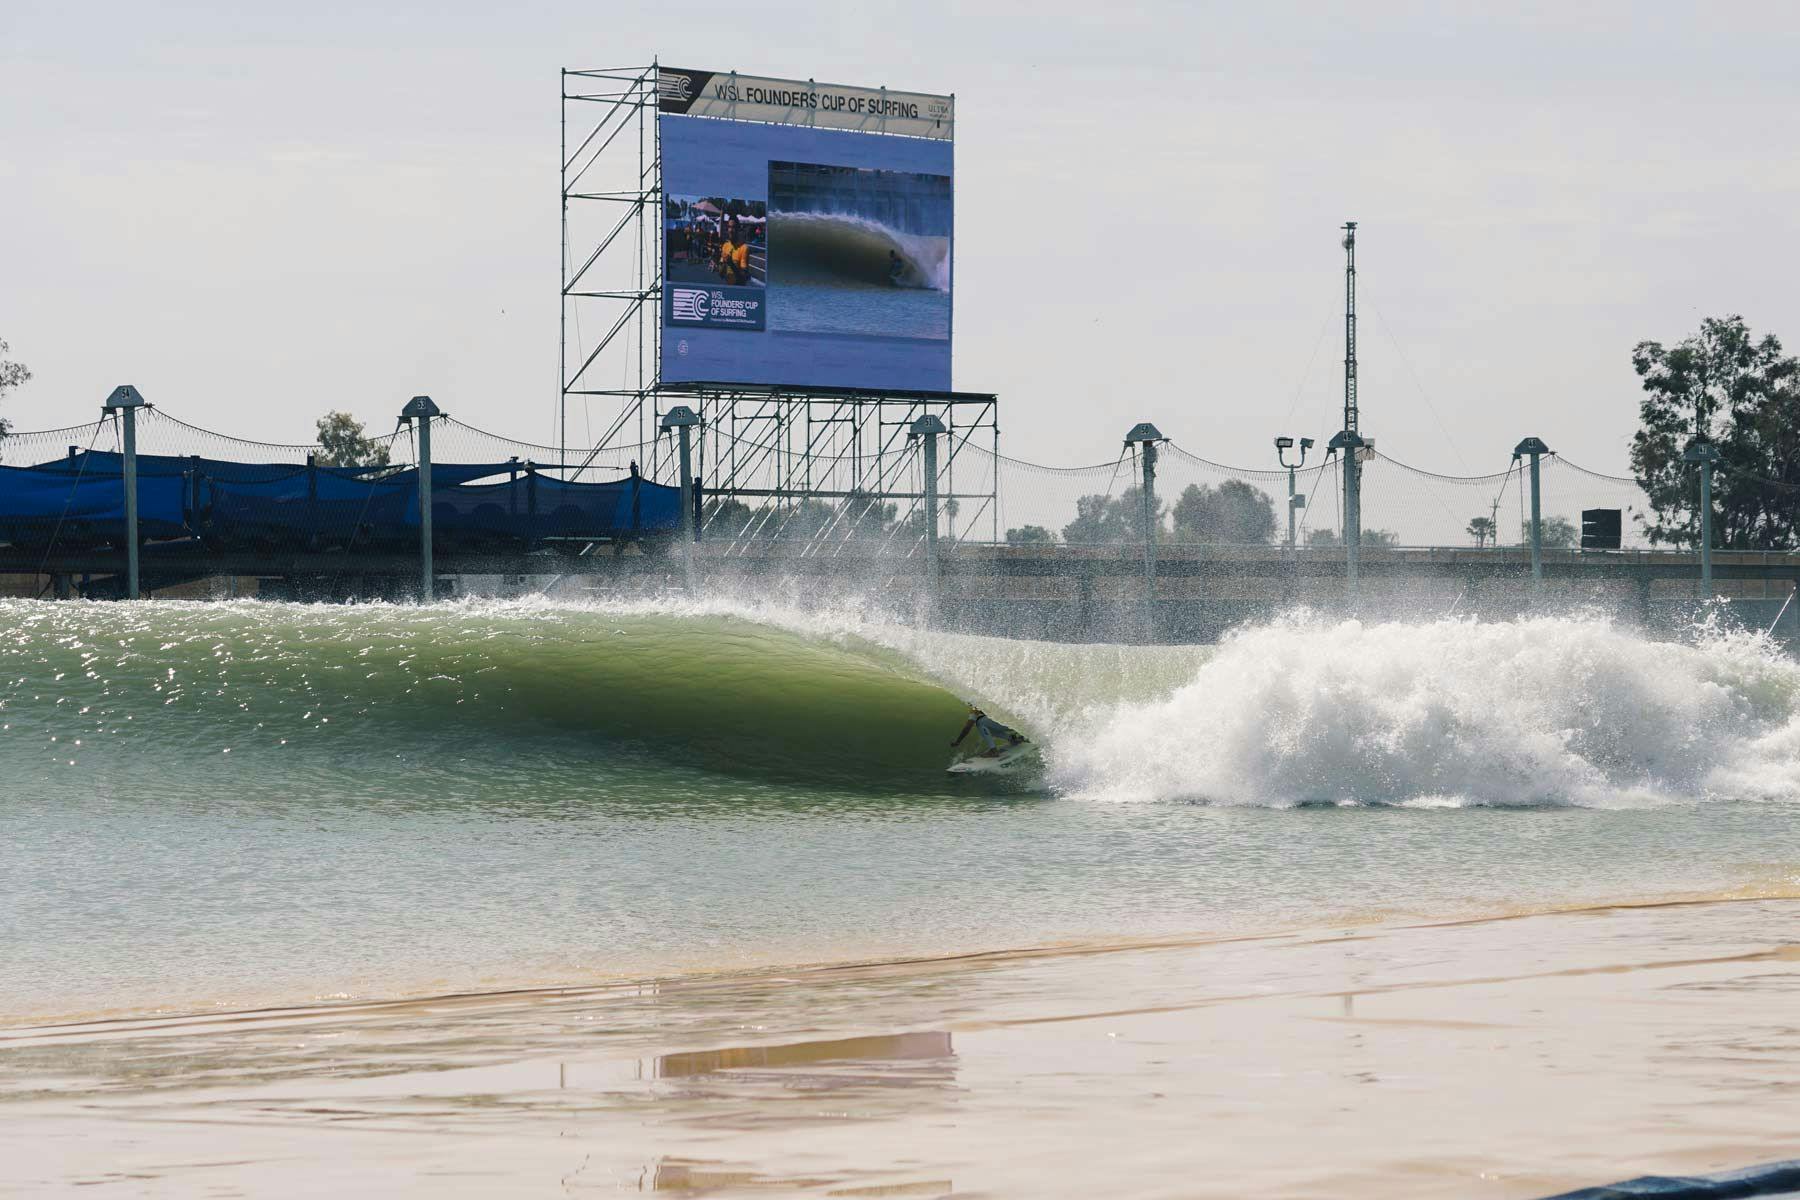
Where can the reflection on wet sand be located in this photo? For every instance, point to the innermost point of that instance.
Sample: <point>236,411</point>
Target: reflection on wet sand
<point>885,1048</point>
<point>1510,1058</point>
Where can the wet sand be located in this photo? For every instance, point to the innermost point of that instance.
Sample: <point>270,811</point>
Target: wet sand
<point>1503,1058</point>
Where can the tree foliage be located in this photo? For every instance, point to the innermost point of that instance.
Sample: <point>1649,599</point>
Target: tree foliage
<point>1741,393</point>
<point>342,443</point>
<point>1233,512</point>
<point>1482,530</point>
<point>12,375</point>
<point>1029,535</point>
<point>1107,519</point>
<point>1560,533</point>
<point>1372,539</point>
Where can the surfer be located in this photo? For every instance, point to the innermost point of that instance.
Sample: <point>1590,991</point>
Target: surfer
<point>896,267</point>
<point>991,731</point>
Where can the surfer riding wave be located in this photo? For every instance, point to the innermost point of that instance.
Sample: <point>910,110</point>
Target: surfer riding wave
<point>992,734</point>
<point>845,250</point>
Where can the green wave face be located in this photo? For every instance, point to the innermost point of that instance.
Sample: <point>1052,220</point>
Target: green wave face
<point>350,689</point>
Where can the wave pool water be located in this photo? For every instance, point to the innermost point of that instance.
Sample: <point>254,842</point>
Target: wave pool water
<point>246,803</point>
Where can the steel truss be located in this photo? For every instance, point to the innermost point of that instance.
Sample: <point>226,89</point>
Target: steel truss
<point>834,468</point>
<point>611,246</point>
<point>817,466</point>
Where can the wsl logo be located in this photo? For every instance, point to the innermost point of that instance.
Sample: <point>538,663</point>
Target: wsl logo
<point>690,304</point>
<point>676,91</point>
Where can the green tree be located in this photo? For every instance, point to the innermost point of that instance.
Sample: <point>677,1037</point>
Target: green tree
<point>865,516</point>
<point>1029,535</point>
<point>1482,530</point>
<point>725,518</point>
<point>1233,512</point>
<point>1560,533</point>
<point>801,521</point>
<point>1372,539</point>
<point>12,375</point>
<point>1741,393</point>
<point>343,444</point>
<point>1100,520</point>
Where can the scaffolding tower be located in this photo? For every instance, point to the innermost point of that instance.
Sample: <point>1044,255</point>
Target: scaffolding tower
<point>808,462</point>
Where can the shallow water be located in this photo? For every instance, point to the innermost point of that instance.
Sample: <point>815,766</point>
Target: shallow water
<point>1504,1059</point>
<point>226,805</point>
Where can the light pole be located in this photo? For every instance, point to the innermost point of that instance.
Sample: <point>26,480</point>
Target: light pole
<point>1296,502</point>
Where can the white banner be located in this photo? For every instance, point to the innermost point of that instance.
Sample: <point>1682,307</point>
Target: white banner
<point>804,102</point>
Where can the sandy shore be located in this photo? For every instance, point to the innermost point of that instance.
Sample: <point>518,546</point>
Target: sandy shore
<point>1503,1058</point>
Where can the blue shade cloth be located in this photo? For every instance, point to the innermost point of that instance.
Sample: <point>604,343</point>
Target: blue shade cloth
<point>80,501</point>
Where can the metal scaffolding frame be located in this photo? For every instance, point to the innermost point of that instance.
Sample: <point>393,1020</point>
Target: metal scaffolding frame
<point>774,449</point>
<point>611,265</point>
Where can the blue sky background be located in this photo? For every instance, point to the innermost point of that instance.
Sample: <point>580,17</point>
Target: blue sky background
<point>258,212</point>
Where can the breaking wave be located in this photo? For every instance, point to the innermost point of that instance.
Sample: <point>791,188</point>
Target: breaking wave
<point>823,247</point>
<point>1566,710</point>
<point>1551,710</point>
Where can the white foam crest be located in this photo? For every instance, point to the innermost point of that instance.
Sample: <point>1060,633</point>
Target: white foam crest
<point>1551,710</point>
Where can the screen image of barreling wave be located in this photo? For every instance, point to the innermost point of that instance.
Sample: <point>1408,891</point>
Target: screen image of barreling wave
<point>859,251</point>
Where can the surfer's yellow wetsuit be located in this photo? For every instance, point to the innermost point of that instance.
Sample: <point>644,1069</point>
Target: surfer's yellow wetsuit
<point>742,259</point>
<point>725,254</point>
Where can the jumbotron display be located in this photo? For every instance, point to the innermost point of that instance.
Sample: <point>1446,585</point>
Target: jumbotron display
<point>807,234</point>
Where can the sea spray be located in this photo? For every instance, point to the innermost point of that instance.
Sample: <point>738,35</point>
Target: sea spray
<point>1549,710</point>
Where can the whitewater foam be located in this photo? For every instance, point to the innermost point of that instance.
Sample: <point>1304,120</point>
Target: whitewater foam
<point>1550,710</point>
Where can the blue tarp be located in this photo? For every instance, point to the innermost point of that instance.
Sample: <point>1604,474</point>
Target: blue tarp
<point>80,500</point>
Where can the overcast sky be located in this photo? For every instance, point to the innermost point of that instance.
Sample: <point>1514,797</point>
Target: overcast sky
<point>258,212</point>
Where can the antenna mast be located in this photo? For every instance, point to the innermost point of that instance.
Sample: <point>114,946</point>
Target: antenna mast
<point>1350,440</point>
<point>1350,414</point>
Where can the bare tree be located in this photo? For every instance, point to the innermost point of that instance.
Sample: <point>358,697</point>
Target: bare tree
<point>12,375</point>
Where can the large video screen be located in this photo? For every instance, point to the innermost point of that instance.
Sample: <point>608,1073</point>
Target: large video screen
<point>805,257</point>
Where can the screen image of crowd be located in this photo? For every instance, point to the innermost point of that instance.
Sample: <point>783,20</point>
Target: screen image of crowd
<point>716,240</point>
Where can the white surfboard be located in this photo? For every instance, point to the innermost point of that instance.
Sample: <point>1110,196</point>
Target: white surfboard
<point>1007,760</point>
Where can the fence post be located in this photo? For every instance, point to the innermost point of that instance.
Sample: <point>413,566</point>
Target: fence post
<point>682,419</point>
<point>1534,449</point>
<point>1706,454</point>
<point>1147,436</point>
<point>422,409</point>
<point>926,430</point>
<point>126,401</point>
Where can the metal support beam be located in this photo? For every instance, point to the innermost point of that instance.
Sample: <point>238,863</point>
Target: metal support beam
<point>681,418</point>
<point>422,410</point>
<point>1706,454</point>
<point>1148,436</point>
<point>926,430</point>
<point>126,401</point>
<point>1534,449</point>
